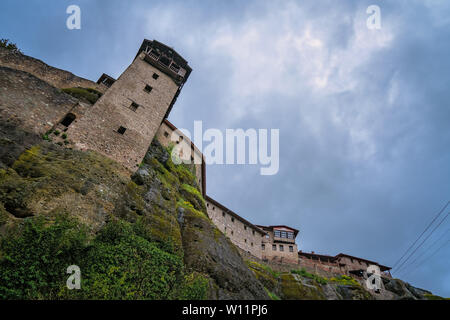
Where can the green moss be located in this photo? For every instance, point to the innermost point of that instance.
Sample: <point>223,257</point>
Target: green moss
<point>302,272</point>
<point>193,196</point>
<point>272,295</point>
<point>434,297</point>
<point>345,280</point>
<point>195,287</point>
<point>295,290</point>
<point>263,267</point>
<point>87,94</point>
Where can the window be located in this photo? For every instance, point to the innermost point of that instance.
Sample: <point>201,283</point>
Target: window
<point>281,247</point>
<point>251,244</point>
<point>291,249</point>
<point>68,119</point>
<point>253,232</point>
<point>148,89</point>
<point>267,236</point>
<point>134,106</point>
<point>274,247</point>
<point>223,214</point>
<point>283,234</point>
<point>232,219</point>
<point>214,208</point>
<point>232,232</point>
<point>121,130</point>
<point>166,134</point>
<point>207,205</point>
<point>155,76</point>
<point>245,227</point>
<point>245,240</point>
<point>164,60</point>
<point>263,246</point>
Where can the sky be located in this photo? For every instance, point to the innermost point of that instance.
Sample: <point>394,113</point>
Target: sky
<point>363,114</point>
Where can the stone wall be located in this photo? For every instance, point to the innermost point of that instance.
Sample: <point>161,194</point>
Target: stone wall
<point>167,134</point>
<point>283,252</point>
<point>99,128</point>
<point>32,103</point>
<point>243,234</point>
<point>54,76</point>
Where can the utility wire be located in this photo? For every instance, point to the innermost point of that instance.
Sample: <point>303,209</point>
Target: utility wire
<point>426,251</point>
<point>406,252</point>
<point>424,240</point>
<point>428,258</point>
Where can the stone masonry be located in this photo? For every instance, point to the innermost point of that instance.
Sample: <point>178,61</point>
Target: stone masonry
<point>123,122</point>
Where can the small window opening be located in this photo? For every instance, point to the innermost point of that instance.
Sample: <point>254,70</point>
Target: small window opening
<point>134,106</point>
<point>68,119</point>
<point>166,134</point>
<point>148,88</point>
<point>155,76</point>
<point>121,130</point>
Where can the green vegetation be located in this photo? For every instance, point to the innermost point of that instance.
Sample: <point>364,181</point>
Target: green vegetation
<point>196,287</point>
<point>136,254</point>
<point>272,295</point>
<point>64,136</point>
<point>433,297</point>
<point>7,44</point>
<point>302,272</point>
<point>86,94</point>
<point>263,267</point>
<point>117,263</point>
<point>345,280</point>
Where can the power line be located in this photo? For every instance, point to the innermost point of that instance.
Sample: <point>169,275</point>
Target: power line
<point>424,240</point>
<point>406,252</point>
<point>425,252</point>
<point>429,257</point>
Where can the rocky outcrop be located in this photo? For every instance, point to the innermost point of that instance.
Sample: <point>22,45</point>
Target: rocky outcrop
<point>160,204</point>
<point>56,77</point>
<point>301,285</point>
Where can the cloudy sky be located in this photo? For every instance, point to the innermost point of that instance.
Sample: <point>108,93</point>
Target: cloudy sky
<point>363,114</point>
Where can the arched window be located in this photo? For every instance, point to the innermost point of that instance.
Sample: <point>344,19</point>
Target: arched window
<point>68,119</point>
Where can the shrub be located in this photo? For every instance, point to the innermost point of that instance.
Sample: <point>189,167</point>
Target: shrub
<point>5,43</point>
<point>195,287</point>
<point>116,264</point>
<point>34,258</point>
<point>345,280</point>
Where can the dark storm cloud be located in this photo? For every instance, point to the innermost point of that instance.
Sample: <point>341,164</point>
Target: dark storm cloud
<point>363,115</point>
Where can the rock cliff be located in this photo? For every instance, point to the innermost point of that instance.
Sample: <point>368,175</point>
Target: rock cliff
<point>144,235</point>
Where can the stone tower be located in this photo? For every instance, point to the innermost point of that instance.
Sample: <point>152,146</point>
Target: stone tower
<point>123,122</point>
